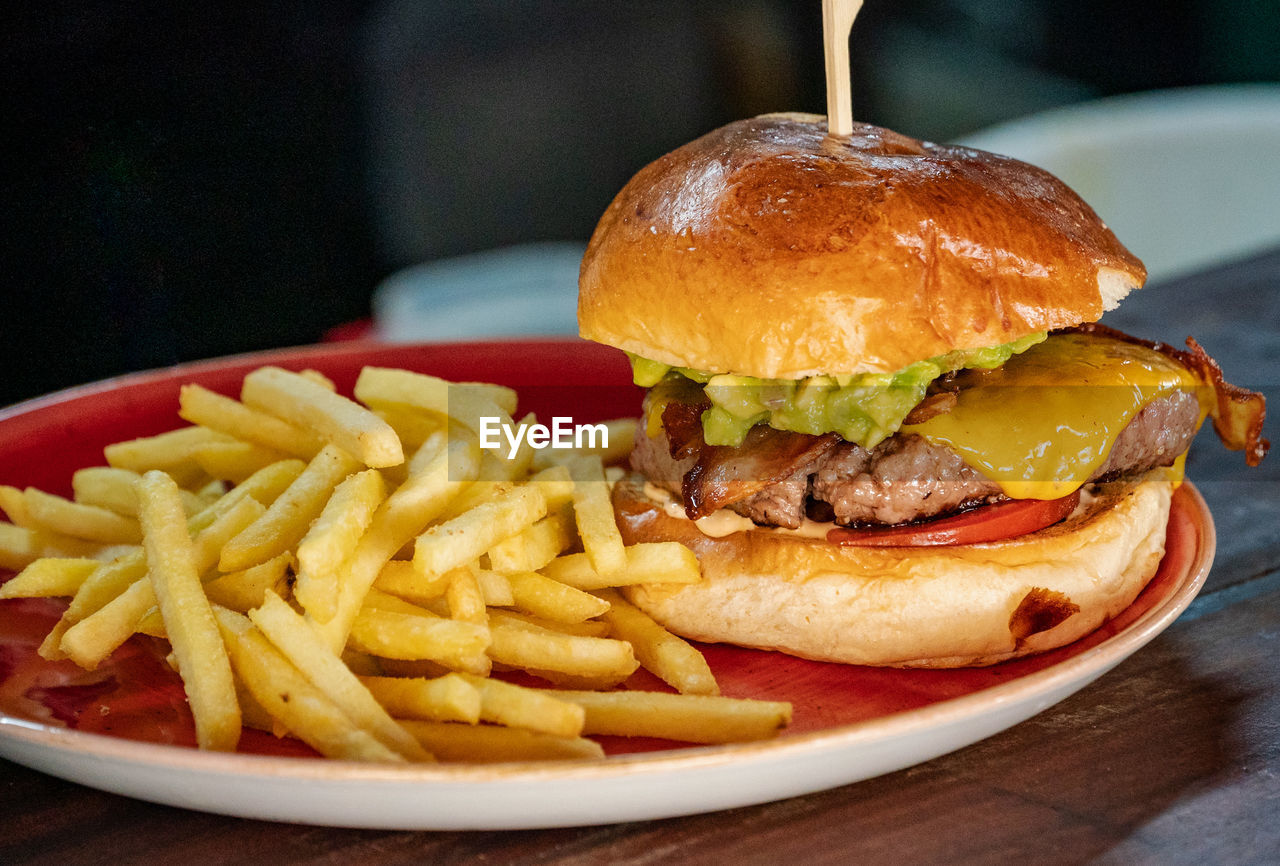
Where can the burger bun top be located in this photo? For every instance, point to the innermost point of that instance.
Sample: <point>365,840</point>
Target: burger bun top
<point>768,248</point>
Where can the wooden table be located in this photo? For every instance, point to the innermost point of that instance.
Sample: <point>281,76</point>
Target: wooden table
<point>1173,757</point>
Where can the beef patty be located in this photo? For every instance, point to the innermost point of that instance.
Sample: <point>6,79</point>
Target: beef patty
<point>777,478</point>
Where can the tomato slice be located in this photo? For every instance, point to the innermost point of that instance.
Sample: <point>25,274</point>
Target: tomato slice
<point>985,523</point>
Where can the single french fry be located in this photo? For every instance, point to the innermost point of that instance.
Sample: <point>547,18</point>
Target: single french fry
<point>413,426</point>
<point>90,640</point>
<point>332,538</point>
<point>113,489</point>
<point>457,645</point>
<point>106,487</point>
<point>379,600</point>
<point>77,520</point>
<point>152,624</point>
<point>235,461</point>
<point>170,452</point>
<point>687,718</point>
<point>302,645</point>
<point>517,619</point>
<point>517,707</point>
<point>288,696</point>
<point>340,421</point>
<point>553,600</point>
<point>21,546</point>
<point>245,589</point>
<point>266,485</point>
<point>465,402</point>
<point>581,656</point>
<point>399,578</point>
<point>670,658</point>
<point>188,617</point>
<point>495,587</point>
<point>450,741</point>
<point>14,504</point>
<point>463,596</point>
<point>536,546</point>
<point>594,513</point>
<point>447,698</point>
<point>49,577</point>
<point>253,714</point>
<point>286,520</point>
<point>216,411</point>
<point>649,562</point>
<point>464,538</point>
<point>556,485</point>
<point>319,378</point>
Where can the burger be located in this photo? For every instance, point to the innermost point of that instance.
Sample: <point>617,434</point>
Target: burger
<point>879,407</point>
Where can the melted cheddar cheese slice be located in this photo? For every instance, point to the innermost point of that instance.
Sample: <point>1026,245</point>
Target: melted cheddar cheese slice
<point>1044,422</point>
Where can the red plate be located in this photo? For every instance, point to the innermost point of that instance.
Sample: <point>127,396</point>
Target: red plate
<point>134,695</point>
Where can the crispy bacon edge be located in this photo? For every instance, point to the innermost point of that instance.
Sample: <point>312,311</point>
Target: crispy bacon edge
<point>1237,413</point>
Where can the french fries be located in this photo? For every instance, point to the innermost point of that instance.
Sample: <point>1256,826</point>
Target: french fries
<point>466,537</point>
<point>312,581</point>
<point>653,562</point>
<point>668,657</point>
<point>332,538</point>
<point>285,523</point>
<point>301,400</point>
<point>689,718</point>
<point>113,489</point>
<point>290,698</point>
<point>251,426</point>
<point>50,576</point>
<point>302,645</point>
<point>446,698</point>
<point>546,650</point>
<point>90,522</point>
<point>594,513</point>
<point>486,744</point>
<point>188,616</point>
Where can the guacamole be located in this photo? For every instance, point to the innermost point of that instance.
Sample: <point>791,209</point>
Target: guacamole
<point>865,408</point>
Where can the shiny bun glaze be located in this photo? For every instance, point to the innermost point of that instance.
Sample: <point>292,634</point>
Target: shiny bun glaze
<point>908,607</point>
<point>768,248</point>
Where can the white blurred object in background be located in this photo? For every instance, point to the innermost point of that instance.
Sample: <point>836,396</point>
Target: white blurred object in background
<point>525,290</point>
<point>1186,178</point>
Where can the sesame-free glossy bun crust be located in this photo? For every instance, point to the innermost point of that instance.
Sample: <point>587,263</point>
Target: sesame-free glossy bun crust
<point>907,607</point>
<point>768,248</point>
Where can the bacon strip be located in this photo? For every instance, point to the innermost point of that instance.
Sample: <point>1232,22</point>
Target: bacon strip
<point>723,475</point>
<point>1237,413</point>
<point>683,424</point>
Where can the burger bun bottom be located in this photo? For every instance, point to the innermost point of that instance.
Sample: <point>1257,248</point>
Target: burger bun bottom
<point>936,607</point>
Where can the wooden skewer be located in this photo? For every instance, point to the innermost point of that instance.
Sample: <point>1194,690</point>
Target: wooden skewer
<point>837,21</point>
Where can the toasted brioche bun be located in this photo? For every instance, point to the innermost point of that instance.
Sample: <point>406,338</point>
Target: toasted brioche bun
<point>767,248</point>
<point>908,607</point>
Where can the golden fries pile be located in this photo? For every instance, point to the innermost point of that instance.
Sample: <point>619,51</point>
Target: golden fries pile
<point>353,572</point>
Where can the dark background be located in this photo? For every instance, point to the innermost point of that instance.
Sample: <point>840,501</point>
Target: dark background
<point>184,181</point>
